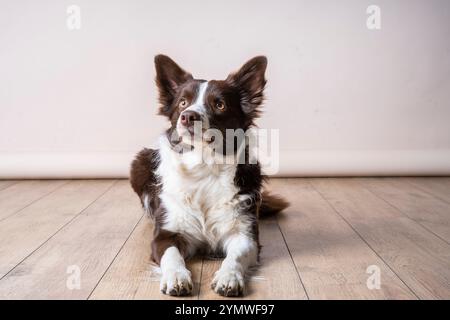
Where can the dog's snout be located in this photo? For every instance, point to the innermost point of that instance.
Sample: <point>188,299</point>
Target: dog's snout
<point>188,117</point>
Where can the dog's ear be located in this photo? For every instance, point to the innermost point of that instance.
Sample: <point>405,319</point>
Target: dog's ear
<point>250,81</point>
<point>169,76</point>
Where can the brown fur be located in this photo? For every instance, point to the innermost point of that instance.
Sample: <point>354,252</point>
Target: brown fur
<point>271,204</point>
<point>163,239</point>
<point>242,94</point>
<point>143,178</point>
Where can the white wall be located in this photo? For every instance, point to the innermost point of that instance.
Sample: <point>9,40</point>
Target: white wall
<point>347,100</point>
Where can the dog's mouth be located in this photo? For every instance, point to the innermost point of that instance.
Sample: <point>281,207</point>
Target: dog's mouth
<point>203,136</point>
<point>192,133</point>
<point>189,132</point>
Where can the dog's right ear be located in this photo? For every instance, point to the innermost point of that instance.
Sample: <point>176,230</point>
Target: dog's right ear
<point>169,76</point>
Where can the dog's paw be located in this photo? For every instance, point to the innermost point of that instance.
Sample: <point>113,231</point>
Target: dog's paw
<point>228,283</point>
<point>176,282</point>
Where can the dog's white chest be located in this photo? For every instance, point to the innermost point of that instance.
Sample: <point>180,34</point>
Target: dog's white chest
<point>200,200</point>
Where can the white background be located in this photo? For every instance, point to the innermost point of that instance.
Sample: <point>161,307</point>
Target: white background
<point>347,100</point>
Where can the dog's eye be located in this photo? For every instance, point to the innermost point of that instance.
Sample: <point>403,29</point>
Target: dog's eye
<point>183,103</point>
<point>220,105</point>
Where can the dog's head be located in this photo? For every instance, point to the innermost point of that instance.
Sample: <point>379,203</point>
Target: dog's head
<point>232,103</point>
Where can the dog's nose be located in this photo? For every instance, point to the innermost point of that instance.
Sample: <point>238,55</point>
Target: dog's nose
<point>188,117</point>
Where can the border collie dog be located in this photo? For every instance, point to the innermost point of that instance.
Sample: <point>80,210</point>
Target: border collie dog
<point>204,207</point>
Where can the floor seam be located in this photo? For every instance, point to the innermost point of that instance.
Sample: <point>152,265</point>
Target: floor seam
<point>292,259</point>
<point>10,185</point>
<point>201,279</point>
<point>427,192</point>
<point>115,256</point>
<point>364,240</point>
<point>57,231</point>
<point>34,201</point>
<point>405,215</point>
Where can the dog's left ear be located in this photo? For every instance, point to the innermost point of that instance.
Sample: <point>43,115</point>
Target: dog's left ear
<point>251,81</point>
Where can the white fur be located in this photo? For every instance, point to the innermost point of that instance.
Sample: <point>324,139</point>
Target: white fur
<point>202,203</point>
<point>199,103</point>
<point>200,199</point>
<point>198,106</point>
<point>242,253</point>
<point>175,276</point>
<point>146,203</point>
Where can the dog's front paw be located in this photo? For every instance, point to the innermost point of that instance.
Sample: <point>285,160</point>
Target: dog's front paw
<point>176,282</point>
<point>228,283</point>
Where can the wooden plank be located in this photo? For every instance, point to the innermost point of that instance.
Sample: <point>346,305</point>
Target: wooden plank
<point>6,183</point>
<point>331,258</point>
<point>437,186</point>
<point>417,256</point>
<point>422,207</point>
<point>275,278</point>
<point>88,244</point>
<point>132,274</point>
<point>25,231</point>
<point>22,194</point>
<point>209,267</point>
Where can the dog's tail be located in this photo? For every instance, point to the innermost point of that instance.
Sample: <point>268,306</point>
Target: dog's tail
<point>271,204</point>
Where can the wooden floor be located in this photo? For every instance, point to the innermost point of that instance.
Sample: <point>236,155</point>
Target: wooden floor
<point>337,236</point>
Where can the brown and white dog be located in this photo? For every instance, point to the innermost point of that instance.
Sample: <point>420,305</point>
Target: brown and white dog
<point>197,206</point>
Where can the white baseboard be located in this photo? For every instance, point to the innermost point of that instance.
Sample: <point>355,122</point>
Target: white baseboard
<point>64,165</point>
<point>365,163</point>
<point>310,163</point>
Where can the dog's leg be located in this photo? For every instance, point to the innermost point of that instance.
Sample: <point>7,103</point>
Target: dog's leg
<point>242,253</point>
<point>176,278</point>
<point>169,250</point>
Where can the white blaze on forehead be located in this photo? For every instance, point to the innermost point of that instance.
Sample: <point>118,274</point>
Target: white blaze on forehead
<point>197,106</point>
<point>199,103</point>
